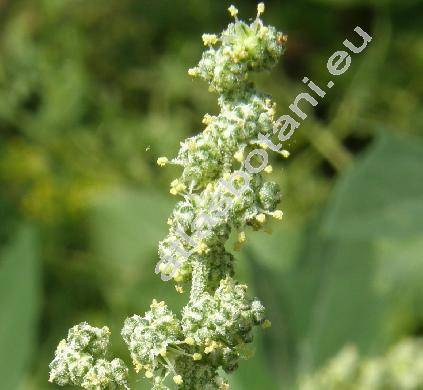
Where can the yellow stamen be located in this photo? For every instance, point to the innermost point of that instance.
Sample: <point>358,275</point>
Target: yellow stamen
<point>207,119</point>
<point>178,379</point>
<point>162,161</point>
<point>241,237</point>
<point>209,39</point>
<point>239,155</point>
<point>193,72</point>
<point>233,11</point>
<point>284,153</point>
<point>268,169</point>
<point>202,248</point>
<point>197,356</point>
<point>266,324</point>
<point>189,341</point>
<point>278,214</point>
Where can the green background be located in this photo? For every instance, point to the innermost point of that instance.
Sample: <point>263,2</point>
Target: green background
<point>92,92</point>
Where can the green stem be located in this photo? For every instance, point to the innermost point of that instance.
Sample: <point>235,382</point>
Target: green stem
<point>199,278</point>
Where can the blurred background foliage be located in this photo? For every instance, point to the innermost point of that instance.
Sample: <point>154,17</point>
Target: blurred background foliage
<point>92,92</point>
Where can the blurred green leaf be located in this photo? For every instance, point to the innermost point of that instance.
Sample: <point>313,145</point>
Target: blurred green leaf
<point>381,195</point>
<point>255,372</point>
<point>337,280</point>
<point>373,220</point>
<point>126,227</point>
<point>19,305</point>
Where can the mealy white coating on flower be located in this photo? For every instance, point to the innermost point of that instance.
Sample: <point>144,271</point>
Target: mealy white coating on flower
<point>401,368</point>
<point>150,336</point>
<point>80,360</point>
<point>244,48</point>
<point>217,322</point>
<point>204,157</point>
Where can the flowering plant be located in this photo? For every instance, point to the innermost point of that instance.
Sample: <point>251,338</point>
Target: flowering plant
<point>221,192</point>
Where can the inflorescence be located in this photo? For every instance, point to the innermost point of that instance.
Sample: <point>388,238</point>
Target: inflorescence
<point>221,193</point>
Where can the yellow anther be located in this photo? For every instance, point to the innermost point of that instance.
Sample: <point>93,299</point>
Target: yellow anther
<point>239,155</point>
<point>260,8</point>
<point>148,374</point>
<point>282,38</point>
<point>137,365</point>
<point>178,379</point>
<point>155,304</point>
<point>207,119</point>
<point>178,277</point>
<point>162,161</point>
<point>169,221</point>
<point>165,268</point>
<point>268,169</point>
<point>189,341</point>
<point>179,289</point>
<point>233,11</point>
<point>193,72</point>
<point>284,153</point>
<point>202,248</point>
<point>211,347</point>
<point>197,356</point>
<point>176,187</point>
<point>261,218</point>
<point>241,237</point>
<point>209,39</point>
<point>266,324</point>
<point>278,214</point>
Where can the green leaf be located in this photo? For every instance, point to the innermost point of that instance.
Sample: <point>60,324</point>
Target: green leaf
<point>19,305</point>
<point>381,195</point>
<point>126,227</point>
<point>337,281</point>
<point>255,372</point>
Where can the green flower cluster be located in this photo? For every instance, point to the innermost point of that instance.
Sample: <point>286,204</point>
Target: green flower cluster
<point>400,369</point>
<point>221,192</point>
<point>81,360</point>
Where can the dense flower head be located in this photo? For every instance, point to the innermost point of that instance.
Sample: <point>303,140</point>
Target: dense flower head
<point>205,157</point>
<point>240,49</point>
<point>224,319</point>
<point>149,337</point>
<point>202,223</point>
<point>80,360</point>
<point>220,197</point>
